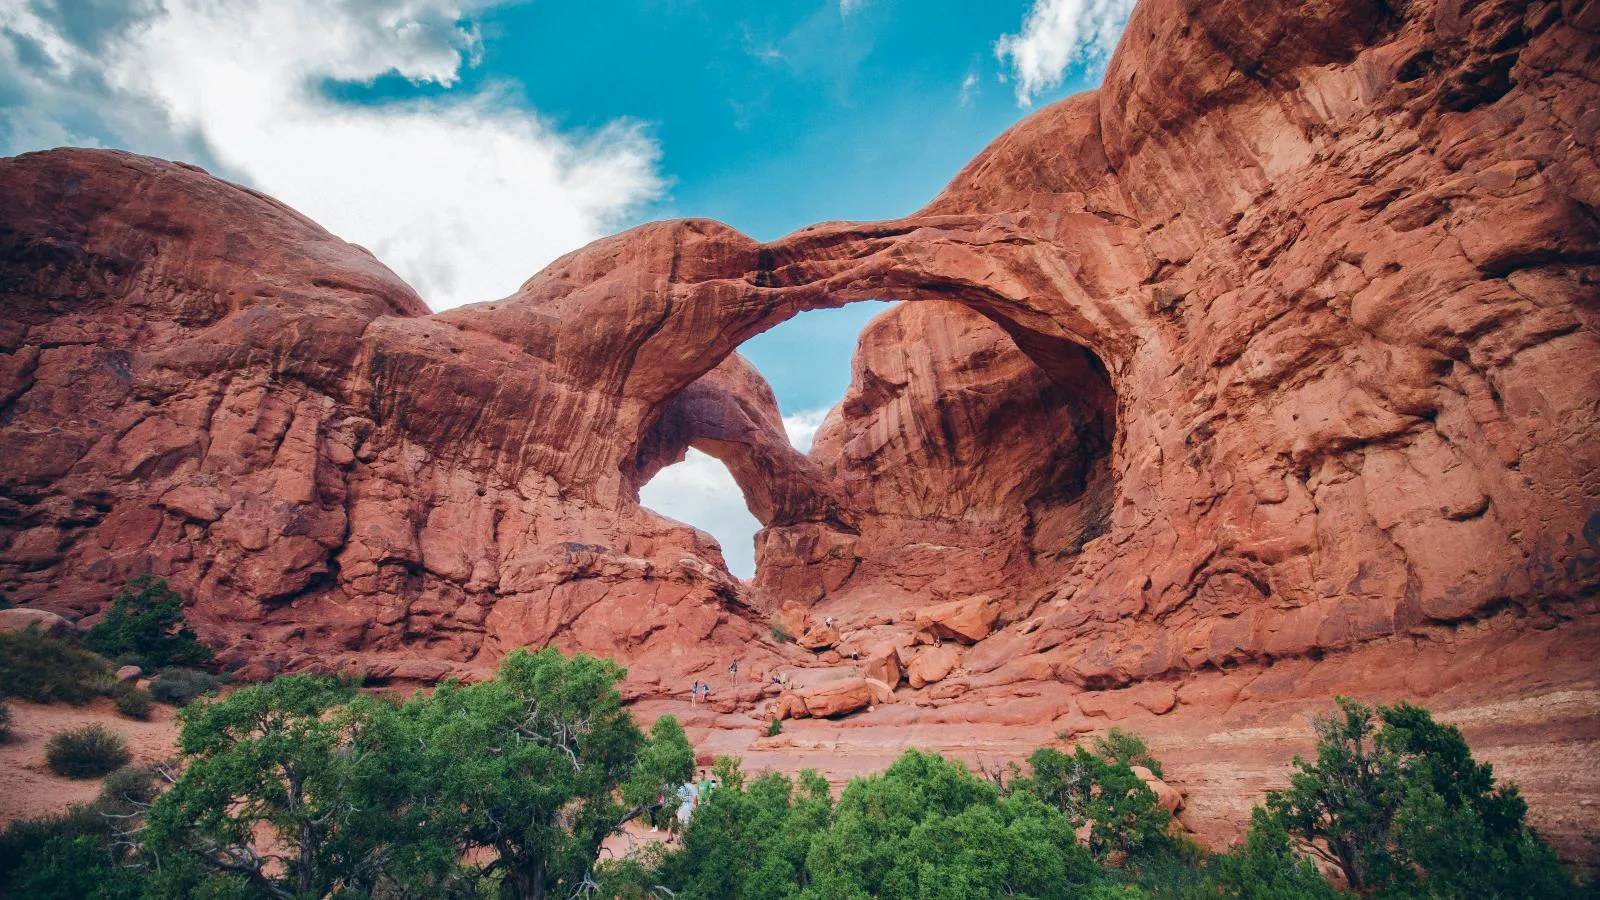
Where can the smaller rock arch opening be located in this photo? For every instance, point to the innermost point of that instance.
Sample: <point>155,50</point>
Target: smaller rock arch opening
<point>728,457</point>
<point>700,491</point>
<point>955,462</point>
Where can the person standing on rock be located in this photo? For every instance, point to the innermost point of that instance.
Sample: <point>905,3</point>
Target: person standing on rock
<point>694,693</point>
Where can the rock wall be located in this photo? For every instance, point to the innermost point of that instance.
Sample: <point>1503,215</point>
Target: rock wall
<point>1283,344</point>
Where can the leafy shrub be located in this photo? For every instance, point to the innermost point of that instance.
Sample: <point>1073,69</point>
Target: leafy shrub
<point>146,619</point>
<point>1398,804</point>
<point>77,854</point>
<point>1125,747</point>
<point>774,728</point>
<point>87,752</point>
<point>131,700</point>
<point>1121,811</point>
<point>5,721</point>
<point>128,789</point>
<point>42,669</point>
<point>518,779</point>
<point>781,634</point>
<point>178,687</point>
<point>23,842</point>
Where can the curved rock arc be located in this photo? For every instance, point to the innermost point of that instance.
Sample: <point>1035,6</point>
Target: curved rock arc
<point>1300,306</point>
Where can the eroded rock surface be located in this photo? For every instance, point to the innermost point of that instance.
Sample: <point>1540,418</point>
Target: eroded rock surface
<point>1278,350</point>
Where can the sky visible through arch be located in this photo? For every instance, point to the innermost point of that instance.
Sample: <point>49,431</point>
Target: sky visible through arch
<point>467,143</point>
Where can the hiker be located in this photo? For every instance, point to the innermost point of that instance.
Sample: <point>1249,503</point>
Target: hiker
<point>733,669</point>
<point>694,693</point>
<point>688,795</point>
<point>707,784</point>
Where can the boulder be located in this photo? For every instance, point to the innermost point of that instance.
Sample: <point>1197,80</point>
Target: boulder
<point>837,698</point>
<point>883,664</point>
<point>818,639</point>
<point>793,618</point>
<point>789,705</point>
<point>22,619</point>
<point>129,673</point>
<point>1170,798</point>
<point>881,692</point>
<point>968,620</point>
<point>931,665</point>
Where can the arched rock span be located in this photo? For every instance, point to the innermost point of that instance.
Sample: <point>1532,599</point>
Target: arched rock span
<point>1338,262</point>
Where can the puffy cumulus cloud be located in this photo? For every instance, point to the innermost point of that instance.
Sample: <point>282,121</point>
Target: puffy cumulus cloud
<point>1057,34</point>
<point>700,491</point>
<point>802,427</point>
<point>464,193</point>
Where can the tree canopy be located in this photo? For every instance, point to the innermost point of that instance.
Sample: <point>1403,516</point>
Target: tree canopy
<point>146,621</point>
<point>514,781</point>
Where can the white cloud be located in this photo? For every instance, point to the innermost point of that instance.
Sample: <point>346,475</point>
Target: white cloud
<point>969,88</point>
<point>700,491</point>
<point>1057,34</point>
<point>802,427</point>
<point>846,7</point>
<point>465,194</point>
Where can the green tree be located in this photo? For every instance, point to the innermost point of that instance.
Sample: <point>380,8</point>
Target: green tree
<point>146,620</point>
<point>1126,747</point>
<point>272,756</point>
<point>1122,813</point>
<point>1266,867</point>
<point>928,828</point>
<point>1397,803</point>
<point>534,768</point>
<point>749,840</point>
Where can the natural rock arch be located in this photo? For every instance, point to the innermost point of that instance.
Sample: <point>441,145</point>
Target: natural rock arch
<point>1343,292</point>
<point>948,436</point>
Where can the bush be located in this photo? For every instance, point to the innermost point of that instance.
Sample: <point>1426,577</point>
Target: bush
<point>1398,804</point>
<point>365,795</point>
<point>87,752</point>
<point>23,842</point>
<point>128,789</point>
<point>131,700</point>
<point>146,619</point>
<point>774,728</point>
<point>77,854</point>
<point>1125,747</point>
<point>43,669</point>
<point>5,721</point>
<point>1119,809</point>
<point>178,687</point>
<point>781,634</point>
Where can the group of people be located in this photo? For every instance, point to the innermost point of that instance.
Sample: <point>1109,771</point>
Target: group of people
<point>702,689</point>
<point>689,796</point>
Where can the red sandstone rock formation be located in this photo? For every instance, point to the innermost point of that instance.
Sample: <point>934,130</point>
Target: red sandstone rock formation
<point>1282,349</point>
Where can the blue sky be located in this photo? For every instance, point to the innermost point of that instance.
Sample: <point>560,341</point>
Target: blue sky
<point>469,142</point>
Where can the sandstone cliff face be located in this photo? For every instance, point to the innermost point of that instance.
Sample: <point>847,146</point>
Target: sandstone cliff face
<point>1282,347</point>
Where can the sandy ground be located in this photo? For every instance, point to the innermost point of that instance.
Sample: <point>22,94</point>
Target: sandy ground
<point>27,786</point>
